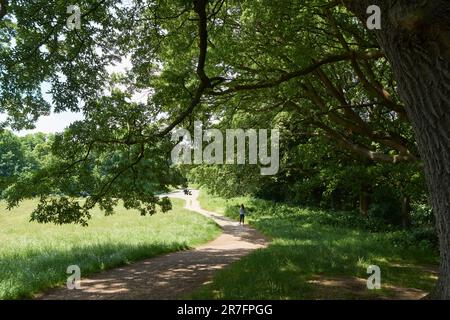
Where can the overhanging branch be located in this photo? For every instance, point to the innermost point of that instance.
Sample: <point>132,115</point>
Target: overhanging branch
<point>205,81</point>
<point>366,55</point>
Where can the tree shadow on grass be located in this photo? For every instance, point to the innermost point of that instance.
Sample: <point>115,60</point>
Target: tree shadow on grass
<point>167,277</point>
<point>305,257</point>
<point>27,272</point>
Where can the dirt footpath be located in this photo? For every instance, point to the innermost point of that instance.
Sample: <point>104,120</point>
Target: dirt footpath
<point>173,275</point>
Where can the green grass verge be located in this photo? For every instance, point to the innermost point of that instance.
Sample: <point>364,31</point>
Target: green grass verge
<point>304,249</point>
<point>34,257</point>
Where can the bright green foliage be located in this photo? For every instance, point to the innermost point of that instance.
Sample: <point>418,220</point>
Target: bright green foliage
<point>315,174</point>
<point>308,68</point>
<point>12,158</point>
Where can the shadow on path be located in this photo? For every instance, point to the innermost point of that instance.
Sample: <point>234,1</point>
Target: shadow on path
<point>173,275</point>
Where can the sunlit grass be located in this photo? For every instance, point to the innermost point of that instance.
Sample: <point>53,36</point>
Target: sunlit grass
<point>35,256</point>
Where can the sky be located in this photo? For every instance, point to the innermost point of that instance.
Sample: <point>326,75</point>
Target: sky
<point>57,122</point>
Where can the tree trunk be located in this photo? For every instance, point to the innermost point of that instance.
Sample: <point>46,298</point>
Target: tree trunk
<point>415,37</point>
<point>336,199</point>
<point>364,201</point>
<point>406,212</point>
<point>317,194</point>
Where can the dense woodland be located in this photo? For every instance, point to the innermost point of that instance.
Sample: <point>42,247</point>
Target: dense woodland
<point>378,197</point>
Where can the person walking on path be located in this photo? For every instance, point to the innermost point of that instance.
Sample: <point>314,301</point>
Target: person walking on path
<point>241,214</point>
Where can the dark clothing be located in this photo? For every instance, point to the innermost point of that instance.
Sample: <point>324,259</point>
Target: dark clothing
<point>241,215</point>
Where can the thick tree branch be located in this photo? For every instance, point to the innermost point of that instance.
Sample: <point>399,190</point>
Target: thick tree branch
<point>386,139</point>
<point>339,95</point>
<point>361,150</point>
<point>374,90</point>
<point>205,81</point>
<point>367,55</point>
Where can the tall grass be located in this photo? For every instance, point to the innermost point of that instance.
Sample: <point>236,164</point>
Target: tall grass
<point>34,257</point>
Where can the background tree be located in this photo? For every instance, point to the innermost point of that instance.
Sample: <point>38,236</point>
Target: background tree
<point>12,159</point>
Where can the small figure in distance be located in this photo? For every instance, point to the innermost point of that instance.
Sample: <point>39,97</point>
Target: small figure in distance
<point>241,214</point>
<point>187,192</point>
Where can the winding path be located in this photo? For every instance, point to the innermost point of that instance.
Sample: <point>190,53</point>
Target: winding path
<point>173,275</point>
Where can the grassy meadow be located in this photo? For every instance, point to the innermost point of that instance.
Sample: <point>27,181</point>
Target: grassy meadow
<point>307,254</point>
<point>34,257</point>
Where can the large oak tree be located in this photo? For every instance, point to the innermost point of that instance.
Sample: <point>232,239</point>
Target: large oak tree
<point>207,58</point>
<point>415,37</point>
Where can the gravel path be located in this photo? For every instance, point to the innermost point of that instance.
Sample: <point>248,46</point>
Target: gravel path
<point>173,275</point>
